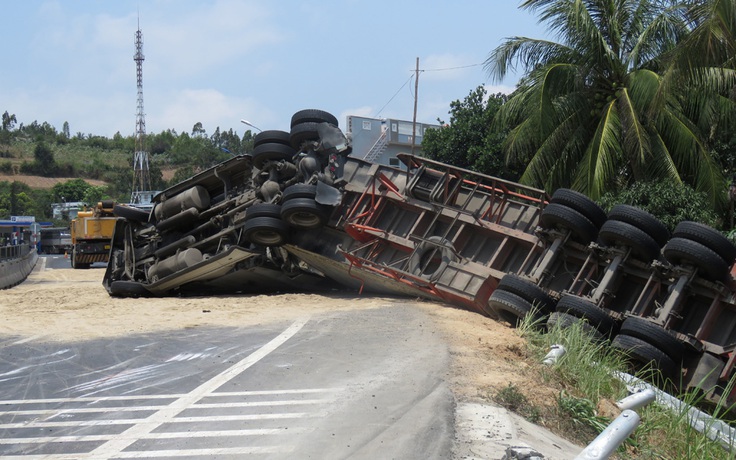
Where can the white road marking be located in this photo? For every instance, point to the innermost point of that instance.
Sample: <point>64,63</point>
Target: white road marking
<point>230,451</point>
<point>87,410</point>
<point>176,435</point>
<point>116,446</point>
<point>27,339</point>
<point>223,394</point>
<point>152,424</point>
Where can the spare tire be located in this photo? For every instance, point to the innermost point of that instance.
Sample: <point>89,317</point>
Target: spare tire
<point>431,257</point>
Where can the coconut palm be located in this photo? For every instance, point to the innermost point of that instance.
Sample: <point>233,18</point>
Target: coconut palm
<point>596,110</point>
<point>705,63</point>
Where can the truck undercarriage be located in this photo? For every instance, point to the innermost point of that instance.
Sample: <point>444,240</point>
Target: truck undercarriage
<point>300,214</point>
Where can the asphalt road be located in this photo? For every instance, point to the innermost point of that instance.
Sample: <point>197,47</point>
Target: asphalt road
<point>362,384</point>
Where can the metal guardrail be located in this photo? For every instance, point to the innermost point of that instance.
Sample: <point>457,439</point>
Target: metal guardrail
<point>14,252</point>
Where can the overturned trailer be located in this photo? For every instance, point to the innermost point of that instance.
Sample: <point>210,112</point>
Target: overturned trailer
<point>299,213</point>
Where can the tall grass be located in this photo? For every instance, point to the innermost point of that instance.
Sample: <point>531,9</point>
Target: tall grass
<point>585,377</point>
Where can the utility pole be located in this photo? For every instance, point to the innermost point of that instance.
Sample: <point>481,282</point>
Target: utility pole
<point>414,121</point>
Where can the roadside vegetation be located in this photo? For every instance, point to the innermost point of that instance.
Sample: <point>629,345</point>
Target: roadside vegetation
<point>587,391</point>
<point>38,149</point>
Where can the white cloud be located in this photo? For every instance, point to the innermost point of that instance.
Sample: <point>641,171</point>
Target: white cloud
<point>207,38</point>
<point>212,108</point>
<point>495,89</point>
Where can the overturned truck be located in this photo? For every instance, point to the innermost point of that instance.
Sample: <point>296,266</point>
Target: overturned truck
<point>299,213</point>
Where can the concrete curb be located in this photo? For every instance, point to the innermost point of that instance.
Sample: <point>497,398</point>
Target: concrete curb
<point>484,431</point>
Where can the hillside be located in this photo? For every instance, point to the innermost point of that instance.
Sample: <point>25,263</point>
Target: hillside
<point>44,183</point>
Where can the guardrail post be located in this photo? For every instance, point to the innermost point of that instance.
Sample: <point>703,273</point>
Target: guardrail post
<point>608,441</point>
<point>555,353</point>
<point>637,400</point>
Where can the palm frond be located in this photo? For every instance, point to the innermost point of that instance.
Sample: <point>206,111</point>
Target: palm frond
<point>598,165</point>
<point>635,137</point>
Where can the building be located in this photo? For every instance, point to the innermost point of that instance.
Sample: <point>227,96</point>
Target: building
<point>67,210</point>
<point>379,140</point>
<point>20,230</point>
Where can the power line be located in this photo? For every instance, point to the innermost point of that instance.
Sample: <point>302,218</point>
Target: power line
<point>395,94</point>
<point>413,73</point>
<point>451,68</point>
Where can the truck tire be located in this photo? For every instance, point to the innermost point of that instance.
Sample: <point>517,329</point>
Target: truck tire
<point>304,213</point>
<point>266,231</point>
<point>642,220</point>
<point>511,308</point>
<point>125,288</point>
<point>74,261</point>
<point>643,246</point>
<point>708,237</point>
<point>653,334</point>
<point>583,308</point>
<point>299,191</point>
<point>710,265</point>
<point>271,136</point>
<point>303,132</point>
<point>313,116</point>
<point>271,152</point>
<point>643,354</point>
<point>528,291</point>
<point>580,203</point>
<point>263,210</point>
<point>566,320</point>
<point>562,217</point>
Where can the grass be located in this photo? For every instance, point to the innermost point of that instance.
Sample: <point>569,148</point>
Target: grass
<point>584,379</point>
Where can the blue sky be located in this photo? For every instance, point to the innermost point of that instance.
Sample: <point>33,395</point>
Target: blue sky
<point>220,61</point>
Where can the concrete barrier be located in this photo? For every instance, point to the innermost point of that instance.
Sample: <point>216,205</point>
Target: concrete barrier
<point>16,263</point>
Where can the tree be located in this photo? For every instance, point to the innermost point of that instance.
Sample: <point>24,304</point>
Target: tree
<point>595,111</point>
<point>8,121</point>
<point>44,163</point>
<point>671,203</point>
<point>71,190</point>
<point>470,140</point>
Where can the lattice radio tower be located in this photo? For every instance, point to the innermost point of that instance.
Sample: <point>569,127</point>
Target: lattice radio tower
<point>141,174</point>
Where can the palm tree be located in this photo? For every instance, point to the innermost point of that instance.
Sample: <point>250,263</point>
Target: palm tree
<point>705,64</point>
<point>596,110</point>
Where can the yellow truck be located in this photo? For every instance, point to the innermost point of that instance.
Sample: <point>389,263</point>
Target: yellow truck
<point>91,233</point>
